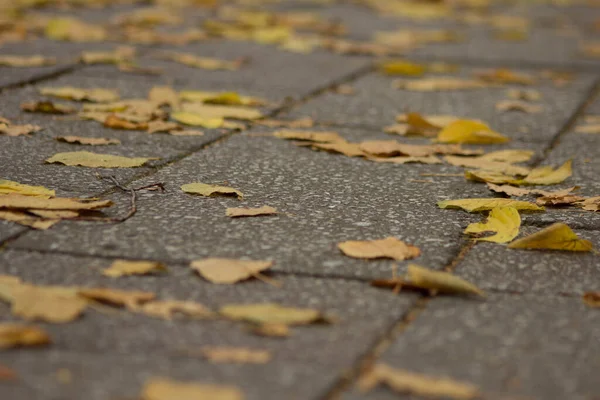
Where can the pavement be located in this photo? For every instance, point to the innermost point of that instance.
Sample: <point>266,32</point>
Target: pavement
<point>532,337</point>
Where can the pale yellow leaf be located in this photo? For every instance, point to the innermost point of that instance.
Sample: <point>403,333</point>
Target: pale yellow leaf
<point>311,136</point>
<point>503,221</point>
<point>26,61</point>
<point>168,308</point>
<point>557,236</point>
<point>125,267</point>
<point>18,335</point>
<point>165,126</point>
<point>95,160</point>
<point>164,95</point>
<point>20,202</point>
<point>87,140</point>
<point>54,214</point>
<point>220,111</point>
<point>18,130</point>
<point>271,313</point>
<point>509,156</point>
<point>131,299</point>
<point>487,165</point>
<point>237,355</point>
<point>227,270</point>
<point>27,219</point>
<point>441,281</point>
<point>11,187</point>
<point>473,132</point>
<point>390,247</point>
<point>167,389</point>
<point>505,76</point>
<point>45,303</point>
<point>406,160</point>
<point>519,105</point>
<point>194,61</point>
<point>207,190</point>
<point>119,55</point>
<point>439,84</point>
<point>590,128</point>
<point>271,330</point>
<point>479,205</point>
<point>74,30</point>
<point>47,107</point>
<point>250,212</point>
<point>548,176</point>
<point>194,119</point>
<point>96,95</point>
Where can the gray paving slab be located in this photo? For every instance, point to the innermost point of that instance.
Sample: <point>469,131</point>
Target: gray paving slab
<point>117,337</point>
<point>321,201</point>
<point>9,229</point>
<point>376,103</point>
<point>511,347</point>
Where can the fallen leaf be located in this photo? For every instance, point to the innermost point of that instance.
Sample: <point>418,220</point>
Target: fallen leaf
<point>163,126</point>
<point>219,111</point>
<point>271,330</point>
<point>590,128</point>
<point>193,119</point>
<point>509,156</point>
<point>222,98</point>
<point>168,308</point>
<point>524,94</point>
<point>167,389</point>
<point>271,313</point>
<point>194,61</point>
<point>227,270</point>
<point>424,125</point>
<point>134,68</point>
<point>11,187</point>
<point>479,205</point>
<point>18,130</point>
<point>518,192</point>
<point>125,268</point>
<point>590,204</point>
<point>492,177</point>
<point>237,355</point>
<point>6,374</point>
<point>186,132</point>
<point>119,55</point>
<point>407,160</point>
<point>74,30</point>
<point>439,84</point>
<point>557,236</point>
<point>47,107</point>
<point>26,61</point>
<point>96,95</point>
<point>311,136</point>
<point>389,247</point>
<point>513,35</point>
<point>207,190</point>
<point>18,335</point>
<point>250,212</point>
<point>519,105</point>
<point>20,202</point>
<point>87,140</point>
<point>27,219</point>
<point>132,299</point>
<point>487,165</point>
<point>401,67</point>
<point>306,122</point>
<point>114,122</point>
<point>95,160</point>
<point>504,76</point>
<point>341,146</point>
<point>590,49</point>
<point>344,90</point>
<point>54,214</point>
<point>390,148</point>
<point>503,221</point>
<point>548,176</point>
<point>402,381</point>
<point>164,95</point>
<point>592,299</point>
<point>443,282</point>
<point>467,131</point>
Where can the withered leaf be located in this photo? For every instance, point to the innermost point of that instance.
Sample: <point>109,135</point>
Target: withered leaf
<point>223,98</point>
<point>11,187</point>
<point>227,270</point>
<point>519,105</point>
<point>167,389</point>
<point>27,219</point>
<point>341,146</point>
<point>311,136</point>
<point>87,140</point>
<point>487,165</point>
<point>503,221</point>
<point>524,94</point>
<point>120,298</point>
<point>193,119</point>
<point>592,299</point>
<point>238,355</point>
<point>119,55</point>
<point>168,308</point>
<point>26,61</point>
<point>590,128</point>
<point>163,126</point>
<point>468,131</point>
<point>403,381</point>
<point>305,122</point>
<point>439,84</point>
<point>54,214</point>
<point>504,76</point>
<point>518,192</point>
<point>271,313</point>
<point>74,30</point>
<point>125,267</point>
<point>557,236</point>
<point>250,212</point>
<point>207,190</point>
<point>95,160</point>
<point>406,160</point>
<point>18,335</point>
<point>18,130</point>
<point>96,95</point>
<point>194,61</point>
<point>479,205</point>
<point>389,247</point>
<point>271,330</point>
<point>220,111</point>
<point>509,156</point>
<point>7,374</point>
<point>590,204</point>
<point>20,202</point>
<point>443,282</point>
<point>164,95</point>
<point>115,122</point>
<point>47,107</point>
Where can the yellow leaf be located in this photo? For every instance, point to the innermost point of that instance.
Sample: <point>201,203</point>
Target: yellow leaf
<point>504,75</point>
<point>509,156</point>
<point>207,190</point>
<point>119,55</point>
<point>193,119</point>
<point>47,107</point>
<point>270,313</point>
<point>125,267</point>
<point>165,126</point>
<point>473,132</point>
<point>238,355</point>
<point>26,61</point>
<point>217,111</point>
<point>167,389</point>
<point>442,83</point>
<point>131,299</point>
<point>18,130</point>
<point>117,122</point>
<point>95,160</point>
<point>557,236</point>
<point>384,248</point>
<point>519,105</point>
<point>487,165</point>
<point>592,299</point>
<point>311,136</point>
<point>11,187</point>
<point>478,205</point>
<point>166,309</point>
<point>399,67</point>
<point>20,202</point>
<point>443,282</point>
<point>424,125</point>
<point>17,335</point>
<point>227,270</point>
<point>504,221</point>
<point>74,30</point>
<point>164,95</point>
<point>87,140</point>
<point>194,61</point>
<point>548,176</point>
<point>271,330</point>
<point>402,381</point>
<point>250,212</point>
<point>224,98</point>
<point>96,95</point>
<point>27,219</point>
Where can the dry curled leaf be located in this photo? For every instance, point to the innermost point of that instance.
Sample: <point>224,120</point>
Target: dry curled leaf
<point>467,131</point>
<point>207,190</point>
<point>96,95</point>
<point>271,313</point>
<point>503,221</point>
<point>310,136</point>
<point>518,192</point>
<point>590,204</point>
<point>237,355</point>
<point>47,107</point>
<point>167,389</point>
<point>592,299</point>
<point>131,299</point>
<point>390,247</point>
<point>557,236</point>
<point>27,219</point>
<point>20,202</point>
<point>95,160</point>
<point>12,187</point>
<point>125,268</point>
<point>163,126</point>
<point>228,270</point>
<point>443,282</point>
<point>519,105</point>
<point>87,140</point>
<point>402,381</point>
<point>18,335</point>
<point>18,130</point>
<point>250,212</point>
<point>168,308</point>
<point>119,122</point>
<point>438,84</point>
<point>26,61</point>
<point>479,205</point>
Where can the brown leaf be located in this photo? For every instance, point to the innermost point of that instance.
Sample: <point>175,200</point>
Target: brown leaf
<point>402,381</point>
<point>87,140</point>
<point>250,212</point>
<point>341,147</point>
<point>26,61</point>
<point>310,136</point>
<point>164,126</point>
<point>406,160</point>
<point>590,204</point>
<point>443,282</point>
<point>504,76</point>
<point>236,355</point>
<point>271,330</point>
<point>592,299</point>
<point>16,201</point>
<point>390,148</point>
<point>18,130</point>
<point>7,374</point>
<point>120,298</point>
<point>207,190</point>
<point>168,308</point>
<point>167,389</point>
<point>228,271</point>
<point>384,248</point>
<point>47,107</point>
<point>27,219</point>
<point>115,122</point>
<point>125,268</point>
<point>17,335</point>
